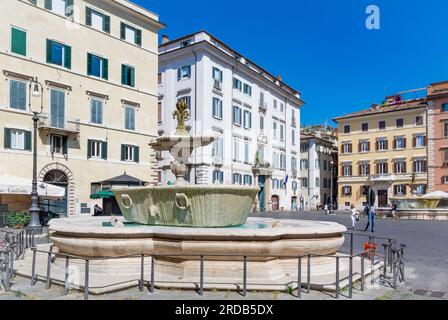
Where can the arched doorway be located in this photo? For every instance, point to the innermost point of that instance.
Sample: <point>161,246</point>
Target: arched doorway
<point>275,203</point>
<point>58,178</point>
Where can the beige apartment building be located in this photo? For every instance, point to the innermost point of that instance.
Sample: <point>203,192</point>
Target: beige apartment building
<point>385,148</point>
<point>98,63</point>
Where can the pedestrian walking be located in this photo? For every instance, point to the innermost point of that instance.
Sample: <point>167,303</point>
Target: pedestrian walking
<point>394,211</point>
<point>371,219</point>
<point>354,216</point>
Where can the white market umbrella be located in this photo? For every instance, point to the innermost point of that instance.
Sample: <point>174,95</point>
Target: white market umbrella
<point>11,185</point>
<point>436,195</point>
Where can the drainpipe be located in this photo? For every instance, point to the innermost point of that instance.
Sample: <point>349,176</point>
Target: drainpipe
<point>231,127</point>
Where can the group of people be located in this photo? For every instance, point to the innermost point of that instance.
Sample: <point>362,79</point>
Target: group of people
<point>370,213</point>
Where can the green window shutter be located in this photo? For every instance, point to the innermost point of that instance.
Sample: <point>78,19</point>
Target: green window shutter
<point>7,138</point>
<point>89,149</point>
<point>105,69</point>
<point>49,4</point>
<point>104,150</point>
<point>88,16</point>
<point>18,41</point>
<point>122,31</point>
<point>123,74</point>
<point>68,8</point>
<point>137,154</point>
<point>132,84</point>
<point>49,51</point>
<point>89,64</point>
<point>138,37</point>
<point>28,140</point>
<point>68,57</point>
<point>106,24</point>
<point>123,152</point>
<point>65,145</point>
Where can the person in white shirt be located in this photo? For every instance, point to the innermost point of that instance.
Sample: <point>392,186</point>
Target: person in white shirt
<point>354,216</point>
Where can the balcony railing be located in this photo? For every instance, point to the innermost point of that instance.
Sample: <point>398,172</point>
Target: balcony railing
<point>59,124</point>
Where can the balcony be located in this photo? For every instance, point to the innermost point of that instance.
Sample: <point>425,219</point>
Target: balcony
<point>59,125</point>
<point>263,108</point>
<point>218,161</point>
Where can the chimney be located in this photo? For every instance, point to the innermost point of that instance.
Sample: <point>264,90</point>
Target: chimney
<point>280,78</point>
<point>165,39</point>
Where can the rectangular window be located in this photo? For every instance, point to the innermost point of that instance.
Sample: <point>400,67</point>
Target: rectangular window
<point>303,164</point>
<point>187,100</point>
<point>445,129</point>
<point>282,132</point>
<point>127,75</point>
<point>347,191</point>
<point>293,137</point>
<point>304,182</point>
<point>347,129</point>
<point>217,108</point>
<point>247,90</point>
<point>400,167</point>
<point>217,76</point>
<point>97,20</point>
<point>274,129</point>
<point>159,78</point>
<point>246,153</point>
<point>237,116</point>
<point>17,95</point>
<point>129,153</point>
<point>58,144</point>
<point>59,54</point>
<point>218,177</point>
<point>382,168</point>
<point>400,143</point>
<point>365,127</point>
<point>95,149</point>
<point>184,44</point>
<point>382,125</point>
<point>445,107</point>
<point>218,148</point>
<point>97,66</point>
<point>400,123</point>
<point>131,34</point>
<point>18,41</point>
<point>184,73</point>
<point>420,141</point>
<point>236,150</point>
<point>282,107</point>
<point>364,146</point>
<point>96,111</point>
<point>129,118</point>
<point>237,84</point>
<point>400,190</point>
<point>282,162</point>
<point>420,166</point>
<point>61,7</point>
<point>262,123</point>
<point>382,145</point>
<point>347,148</point>
<point>237,179</point>
<point>247,119</point>
<point>421,189</point>
<point>18,139</point>
<point>364,169</point>
<point>159,112</point>
<point>57,108</point>
<point>419,121</point>
<point>275,103</point>
<point>248,180</point>
<point>347,170</point>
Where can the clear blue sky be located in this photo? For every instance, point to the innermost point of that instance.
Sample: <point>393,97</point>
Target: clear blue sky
<point>322,47</point>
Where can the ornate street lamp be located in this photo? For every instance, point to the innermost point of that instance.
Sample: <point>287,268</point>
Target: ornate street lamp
<point>36,90</point>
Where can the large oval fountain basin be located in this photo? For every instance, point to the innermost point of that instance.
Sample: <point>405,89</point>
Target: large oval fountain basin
<point>187,206</point>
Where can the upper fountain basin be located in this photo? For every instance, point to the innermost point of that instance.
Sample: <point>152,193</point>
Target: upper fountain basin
<point>169,142</point>
<point>187,206</point>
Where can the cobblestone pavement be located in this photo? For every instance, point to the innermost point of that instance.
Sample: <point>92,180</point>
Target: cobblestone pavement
<point>426,253</point>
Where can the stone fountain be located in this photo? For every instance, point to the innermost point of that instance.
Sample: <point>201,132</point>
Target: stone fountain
<point>188,222</point>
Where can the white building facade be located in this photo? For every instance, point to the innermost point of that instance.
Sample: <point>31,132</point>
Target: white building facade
<point>254,117</point>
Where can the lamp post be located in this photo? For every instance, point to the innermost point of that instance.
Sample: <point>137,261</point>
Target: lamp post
<point>332,182</point>
<point>36,90</point>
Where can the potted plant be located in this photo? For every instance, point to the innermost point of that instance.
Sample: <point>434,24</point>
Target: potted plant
<point>17,220</point>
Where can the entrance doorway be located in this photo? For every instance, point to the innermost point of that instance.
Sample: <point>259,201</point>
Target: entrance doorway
<point>382,198</point>
<point>261,195</point>
<point>275,203</point>
<point>57,207</point>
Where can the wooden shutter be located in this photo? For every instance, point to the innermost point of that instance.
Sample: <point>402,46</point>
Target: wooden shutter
<point>7,138</point>
<point>387,168</point>
<point>137,154</point>
<point>89,64</point>
<point>28,146</point>
<point>106,24</point>
<point>49,4</point>
<point>123,74</point>
<point>65,146</point>
<point>18,41</point>
<point>395,143</point>
<point>105,69</point>
<point>132,77</point>
<point>138,37</point>
<point>122,31</point>
<point>359,146</point>
<point>123,152</point>
<point>387,144</point>
<point>405,190</point>
<point>68,57</point>
<point>404,143</point>
<point>377,146</point>
<point>88,16</point>
<point>104,150</point>
<point>89,149</point>
<point>49,51</point>
<point>414,142</point>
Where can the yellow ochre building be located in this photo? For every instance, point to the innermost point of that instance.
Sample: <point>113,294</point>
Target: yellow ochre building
<point>383,147</point>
